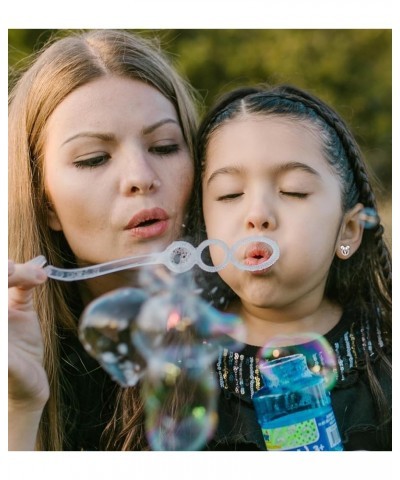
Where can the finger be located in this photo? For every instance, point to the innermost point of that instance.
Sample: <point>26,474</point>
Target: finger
<point>26,275</point>
<point>11,267</point>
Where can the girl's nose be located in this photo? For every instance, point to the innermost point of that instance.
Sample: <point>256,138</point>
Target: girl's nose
<point>138,177</point>
<point>260,217</point>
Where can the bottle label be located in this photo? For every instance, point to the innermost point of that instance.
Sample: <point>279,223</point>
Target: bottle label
<point>316,434</point>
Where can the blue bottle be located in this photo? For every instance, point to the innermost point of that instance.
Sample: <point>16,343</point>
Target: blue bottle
<point>294,408</point>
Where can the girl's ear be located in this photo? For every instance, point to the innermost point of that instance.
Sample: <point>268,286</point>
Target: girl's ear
<point>351,232</point>
<point>52,218</point>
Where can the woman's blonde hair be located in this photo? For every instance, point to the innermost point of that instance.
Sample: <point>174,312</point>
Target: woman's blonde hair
<point>58,69</point>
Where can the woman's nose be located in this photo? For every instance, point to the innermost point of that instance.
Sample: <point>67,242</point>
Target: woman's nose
<point>138,177</point>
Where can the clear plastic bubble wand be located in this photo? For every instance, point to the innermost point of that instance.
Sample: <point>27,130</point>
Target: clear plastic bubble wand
<point>179,257</point>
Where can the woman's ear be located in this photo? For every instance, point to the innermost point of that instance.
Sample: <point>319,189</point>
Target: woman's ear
<point>351,232</point>
<point>52,218</point>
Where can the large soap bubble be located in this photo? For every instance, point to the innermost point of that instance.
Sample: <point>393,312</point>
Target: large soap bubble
<point>105,332</point>
<point>180,398</point>
<point>179,316</point>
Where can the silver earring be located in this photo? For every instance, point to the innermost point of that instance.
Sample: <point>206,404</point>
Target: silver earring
<point>345,249</point>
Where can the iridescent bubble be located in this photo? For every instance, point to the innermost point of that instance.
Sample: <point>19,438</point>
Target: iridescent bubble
<point>320,356</point>
<point>219,329</point>
<point>105,332</point>
<point>177,317</point>
<point>369,218</point>
<point>180,402</point>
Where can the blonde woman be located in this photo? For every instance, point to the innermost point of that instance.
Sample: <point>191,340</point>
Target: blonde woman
<point>100,159</point>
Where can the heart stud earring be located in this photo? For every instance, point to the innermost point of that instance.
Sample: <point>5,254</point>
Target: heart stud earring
<point>345,250</point>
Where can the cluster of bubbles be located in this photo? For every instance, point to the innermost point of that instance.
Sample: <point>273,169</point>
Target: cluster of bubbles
<point>169,338</point>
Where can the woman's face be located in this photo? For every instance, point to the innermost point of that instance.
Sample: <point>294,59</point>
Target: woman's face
<point>117,170</point>
<point>268,176</point>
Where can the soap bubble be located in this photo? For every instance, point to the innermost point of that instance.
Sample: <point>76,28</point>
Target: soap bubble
<point>320,356</point>
<point>176,317</point>
<point>189,426</point>
<point>369,218</point>
<point>104,330</point>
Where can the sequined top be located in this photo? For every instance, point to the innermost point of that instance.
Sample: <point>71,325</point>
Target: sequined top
<point>239,378</point>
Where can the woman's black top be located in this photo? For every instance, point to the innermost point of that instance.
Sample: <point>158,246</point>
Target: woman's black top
<point>238,376</point>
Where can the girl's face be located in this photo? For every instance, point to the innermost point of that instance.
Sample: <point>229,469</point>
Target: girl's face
<point>117,170</point>
<point>267,176</point>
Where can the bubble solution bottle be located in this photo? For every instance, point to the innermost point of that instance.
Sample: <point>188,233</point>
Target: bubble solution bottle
<point>294,407</point>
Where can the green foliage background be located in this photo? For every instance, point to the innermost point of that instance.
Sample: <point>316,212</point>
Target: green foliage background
<point>349,68</point>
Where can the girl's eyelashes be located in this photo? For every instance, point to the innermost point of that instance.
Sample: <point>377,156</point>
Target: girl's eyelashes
<point>294,194</point>
<point>232,196</point>
<point>168,149</point>
<point>229,196</point>
<point>93,162</point>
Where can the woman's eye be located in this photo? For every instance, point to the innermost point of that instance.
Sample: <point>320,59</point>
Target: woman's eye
<point>229,196</point>
<point>92,162</point>
<point>294,194</point>
<point>165,149</point>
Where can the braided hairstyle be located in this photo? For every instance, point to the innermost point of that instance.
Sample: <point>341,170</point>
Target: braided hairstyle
<point>364,281</point>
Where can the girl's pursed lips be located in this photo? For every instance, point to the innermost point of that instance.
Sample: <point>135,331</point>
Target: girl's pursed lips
<point>257,253</point>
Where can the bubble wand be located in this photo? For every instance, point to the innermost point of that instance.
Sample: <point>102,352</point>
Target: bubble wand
<point>178,257</point>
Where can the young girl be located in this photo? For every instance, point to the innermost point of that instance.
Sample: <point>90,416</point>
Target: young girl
<point>281,163</point>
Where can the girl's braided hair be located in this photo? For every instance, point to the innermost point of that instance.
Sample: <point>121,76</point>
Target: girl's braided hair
<point>364,281</point>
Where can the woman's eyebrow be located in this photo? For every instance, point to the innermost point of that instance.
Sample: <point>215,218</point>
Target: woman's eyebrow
<point>106,137</point>
<point>158,124</point>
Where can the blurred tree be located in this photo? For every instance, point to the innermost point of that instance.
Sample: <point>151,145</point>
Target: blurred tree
<point>349,68</point>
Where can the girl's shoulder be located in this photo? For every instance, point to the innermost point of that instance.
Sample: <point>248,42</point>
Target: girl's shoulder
<point>356,341</point>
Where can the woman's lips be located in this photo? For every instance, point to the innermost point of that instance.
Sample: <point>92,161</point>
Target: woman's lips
<point>148,223</point>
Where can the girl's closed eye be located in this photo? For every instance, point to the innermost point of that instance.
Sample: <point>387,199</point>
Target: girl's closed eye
<point>294,194</point>
<point>93,161</point>
<point>229,196</point>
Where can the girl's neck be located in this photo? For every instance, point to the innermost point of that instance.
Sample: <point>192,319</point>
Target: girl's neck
<point>263,324</point>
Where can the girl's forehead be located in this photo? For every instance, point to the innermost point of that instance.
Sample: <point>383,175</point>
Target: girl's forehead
<point>267,129</point>
<point>268,142</point>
